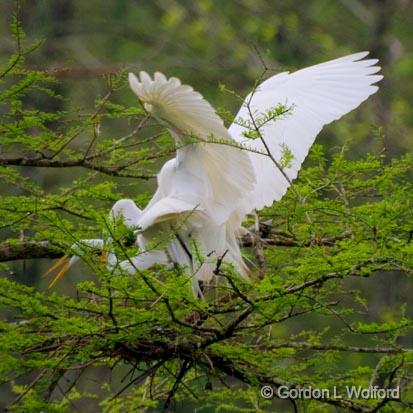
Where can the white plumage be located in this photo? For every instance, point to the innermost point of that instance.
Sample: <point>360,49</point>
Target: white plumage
<point>317,96</point>
<point>217,184</point>
<point>124,210</point>
<point>209,175</point>
<point>205,192</point>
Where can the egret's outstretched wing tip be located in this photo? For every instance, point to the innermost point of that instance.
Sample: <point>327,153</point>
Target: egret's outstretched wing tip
<point>355,57</point>
<point>378,78</point>
<point>160,77</point>
<point>319,95</point>
<point>144,77</point>
<point>134,83</point>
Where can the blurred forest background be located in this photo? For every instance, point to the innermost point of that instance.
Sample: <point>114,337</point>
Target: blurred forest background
<point>208,43</point>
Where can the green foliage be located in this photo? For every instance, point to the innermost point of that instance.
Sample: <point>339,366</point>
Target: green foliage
<point>315,318</point>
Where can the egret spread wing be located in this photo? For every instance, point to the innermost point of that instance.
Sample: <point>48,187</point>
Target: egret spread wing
<point>217,180</point>
<point>316,96</point>
<point>220,174</point>
<point>178,105</point>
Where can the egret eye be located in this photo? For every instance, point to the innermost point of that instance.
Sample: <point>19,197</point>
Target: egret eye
<point>148,107</point>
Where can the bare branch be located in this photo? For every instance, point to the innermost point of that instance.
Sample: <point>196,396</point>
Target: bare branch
<point>335,347</point>
<point>24,250</point>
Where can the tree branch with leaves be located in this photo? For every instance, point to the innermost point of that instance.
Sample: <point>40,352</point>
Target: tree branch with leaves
<point>307,319</point>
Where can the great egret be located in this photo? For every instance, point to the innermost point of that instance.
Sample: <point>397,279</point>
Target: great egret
<point>212,180</point>
<point>125,211</point>
<point>205,192</point>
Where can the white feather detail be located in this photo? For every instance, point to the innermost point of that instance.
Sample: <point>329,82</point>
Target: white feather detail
<point>210,172</point>
<point>317,96</point>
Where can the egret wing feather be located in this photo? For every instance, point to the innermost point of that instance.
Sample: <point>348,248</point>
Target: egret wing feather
<point>165,209</point>
<point>316,96</point>
<point>222,172</point>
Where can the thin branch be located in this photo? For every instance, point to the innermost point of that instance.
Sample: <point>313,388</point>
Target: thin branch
<point>183,370</point>
<point>43,162</point>
<point>21,250</point>
<point>12,251</point>
<point>336,347</point>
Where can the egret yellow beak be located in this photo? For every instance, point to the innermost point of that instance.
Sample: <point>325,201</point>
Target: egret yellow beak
<point>64,264</point>
<point>57,264</point>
